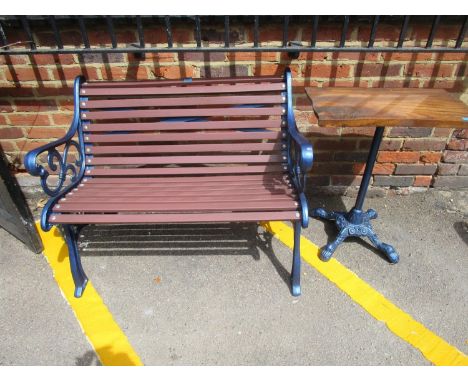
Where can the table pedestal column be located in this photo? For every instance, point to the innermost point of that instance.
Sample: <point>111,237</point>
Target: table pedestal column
<point>357,222</point>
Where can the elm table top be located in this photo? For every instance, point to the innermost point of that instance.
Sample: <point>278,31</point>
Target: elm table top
<point>352,107</point>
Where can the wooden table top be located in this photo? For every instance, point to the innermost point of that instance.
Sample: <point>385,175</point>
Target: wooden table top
<point>351,107</point>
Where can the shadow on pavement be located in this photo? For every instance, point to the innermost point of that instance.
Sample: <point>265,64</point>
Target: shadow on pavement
<point>225,239</point>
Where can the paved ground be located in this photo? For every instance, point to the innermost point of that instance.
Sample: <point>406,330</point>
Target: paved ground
<point>218,295</point>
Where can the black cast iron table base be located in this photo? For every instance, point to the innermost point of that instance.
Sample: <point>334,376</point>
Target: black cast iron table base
<point>356,223</point>
<point>353,223</point>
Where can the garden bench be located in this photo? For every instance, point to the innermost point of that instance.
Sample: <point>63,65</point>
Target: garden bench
<point>185,151</point>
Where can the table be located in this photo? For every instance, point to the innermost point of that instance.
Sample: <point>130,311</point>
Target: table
<point>377,108</point>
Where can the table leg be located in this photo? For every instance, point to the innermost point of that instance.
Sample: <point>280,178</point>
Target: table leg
<point>357,222</point>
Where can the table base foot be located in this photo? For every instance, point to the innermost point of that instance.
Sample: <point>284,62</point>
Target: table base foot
<point>355,223</point>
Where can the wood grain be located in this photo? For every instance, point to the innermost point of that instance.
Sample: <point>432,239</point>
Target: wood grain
<point>353,107</point>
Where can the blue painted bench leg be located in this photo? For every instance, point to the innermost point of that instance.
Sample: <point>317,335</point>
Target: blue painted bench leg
<point>296,265</point>
<point>79,277</point>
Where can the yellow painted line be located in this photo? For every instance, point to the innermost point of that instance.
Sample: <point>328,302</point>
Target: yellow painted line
<point>433,347</point>
<point>108,340</point>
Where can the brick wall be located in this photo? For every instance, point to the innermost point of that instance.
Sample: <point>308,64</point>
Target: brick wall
<point>36,102</point>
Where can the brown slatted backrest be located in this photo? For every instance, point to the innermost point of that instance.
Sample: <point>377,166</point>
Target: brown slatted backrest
<point>202,127</point>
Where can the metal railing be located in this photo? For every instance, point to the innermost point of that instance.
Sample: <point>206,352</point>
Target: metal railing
<point>294,48</point>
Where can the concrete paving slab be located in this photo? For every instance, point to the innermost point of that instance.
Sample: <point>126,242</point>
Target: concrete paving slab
<point>37,325</point>
<point>430,232</point>
<point>219,294</point>
<point>225,300</point>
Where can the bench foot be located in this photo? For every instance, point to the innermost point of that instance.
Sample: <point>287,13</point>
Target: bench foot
<point>79,277</point>
<point>296,265</point>
<point>354,223</point>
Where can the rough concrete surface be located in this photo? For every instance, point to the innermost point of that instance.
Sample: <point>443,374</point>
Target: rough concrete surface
<point>219,294</point>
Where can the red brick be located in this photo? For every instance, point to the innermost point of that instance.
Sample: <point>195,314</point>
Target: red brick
<point>398,156</point>
<point>3,120</point>
<point>331,144</point>
<point>46,132</point>
<point>11,133</point>
<point>377,70</point>
<point>66,104</point>
<point>458,144</point>
<point>346,180</point>
<point>70,73</point>
<point>384,32</point>
<point>15,59</point>
<point>231,70</point>
<point>312,56</point>
<point>156,58</point>
<point>422,180</point>
<point>62,119</point>
<point>315,131</point>
<point>327,71</point>
<point>452,85</point>
<point>451,56</point>
<point>333,168</point>
<point>32,73</point>
<point>379,168</point>
<point>391,83</point>
<point>347,83</point>
<point>31,145</point>
<point>415,132</point>
<point>355,56</point>
<point>53,59</point>
<point>35,105</point>
<point>8,146</point>
<point>256,56</point>
<point>323,156</point>
<point>447,168</point>
<point>462,133</point>
<point>415,169</point>
<point>419,144</point>
<point>358,131</point>
<point>456,156</point>
<point>276,69</point>
<point>31,119</point>
<point>203,56</point>
<point>430,70</point>
<point>429,157</point>
<point>5,106</point>
<point>386,145</point>
<point>173,72</point>
<point>442,132</point>
<point>402,56</point>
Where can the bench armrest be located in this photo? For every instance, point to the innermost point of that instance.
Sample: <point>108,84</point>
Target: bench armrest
<point>299,150</point>
<point>57,162</point>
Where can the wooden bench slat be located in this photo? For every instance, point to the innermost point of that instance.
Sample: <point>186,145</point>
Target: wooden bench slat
<point>177,137</point>
<point>161,126</point>
<point>153,90</point>
<point>187,206</point>
<point>186,101</point>
<point>194,148</point>
<point>267,177</point>
<point>192,159</point>
<point>177,199</point>
<point>219,217</point>
<point>183,192</point>
<point>195,81</point>
<point>184,170</point>
<point>200,185</point>
<point>163,113</point>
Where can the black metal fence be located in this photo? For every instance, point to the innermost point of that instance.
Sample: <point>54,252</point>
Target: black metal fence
<point>50,23</point>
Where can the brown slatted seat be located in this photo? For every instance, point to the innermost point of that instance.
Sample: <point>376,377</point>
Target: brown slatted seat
<point>211,150</point>
<point>228,127</point>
